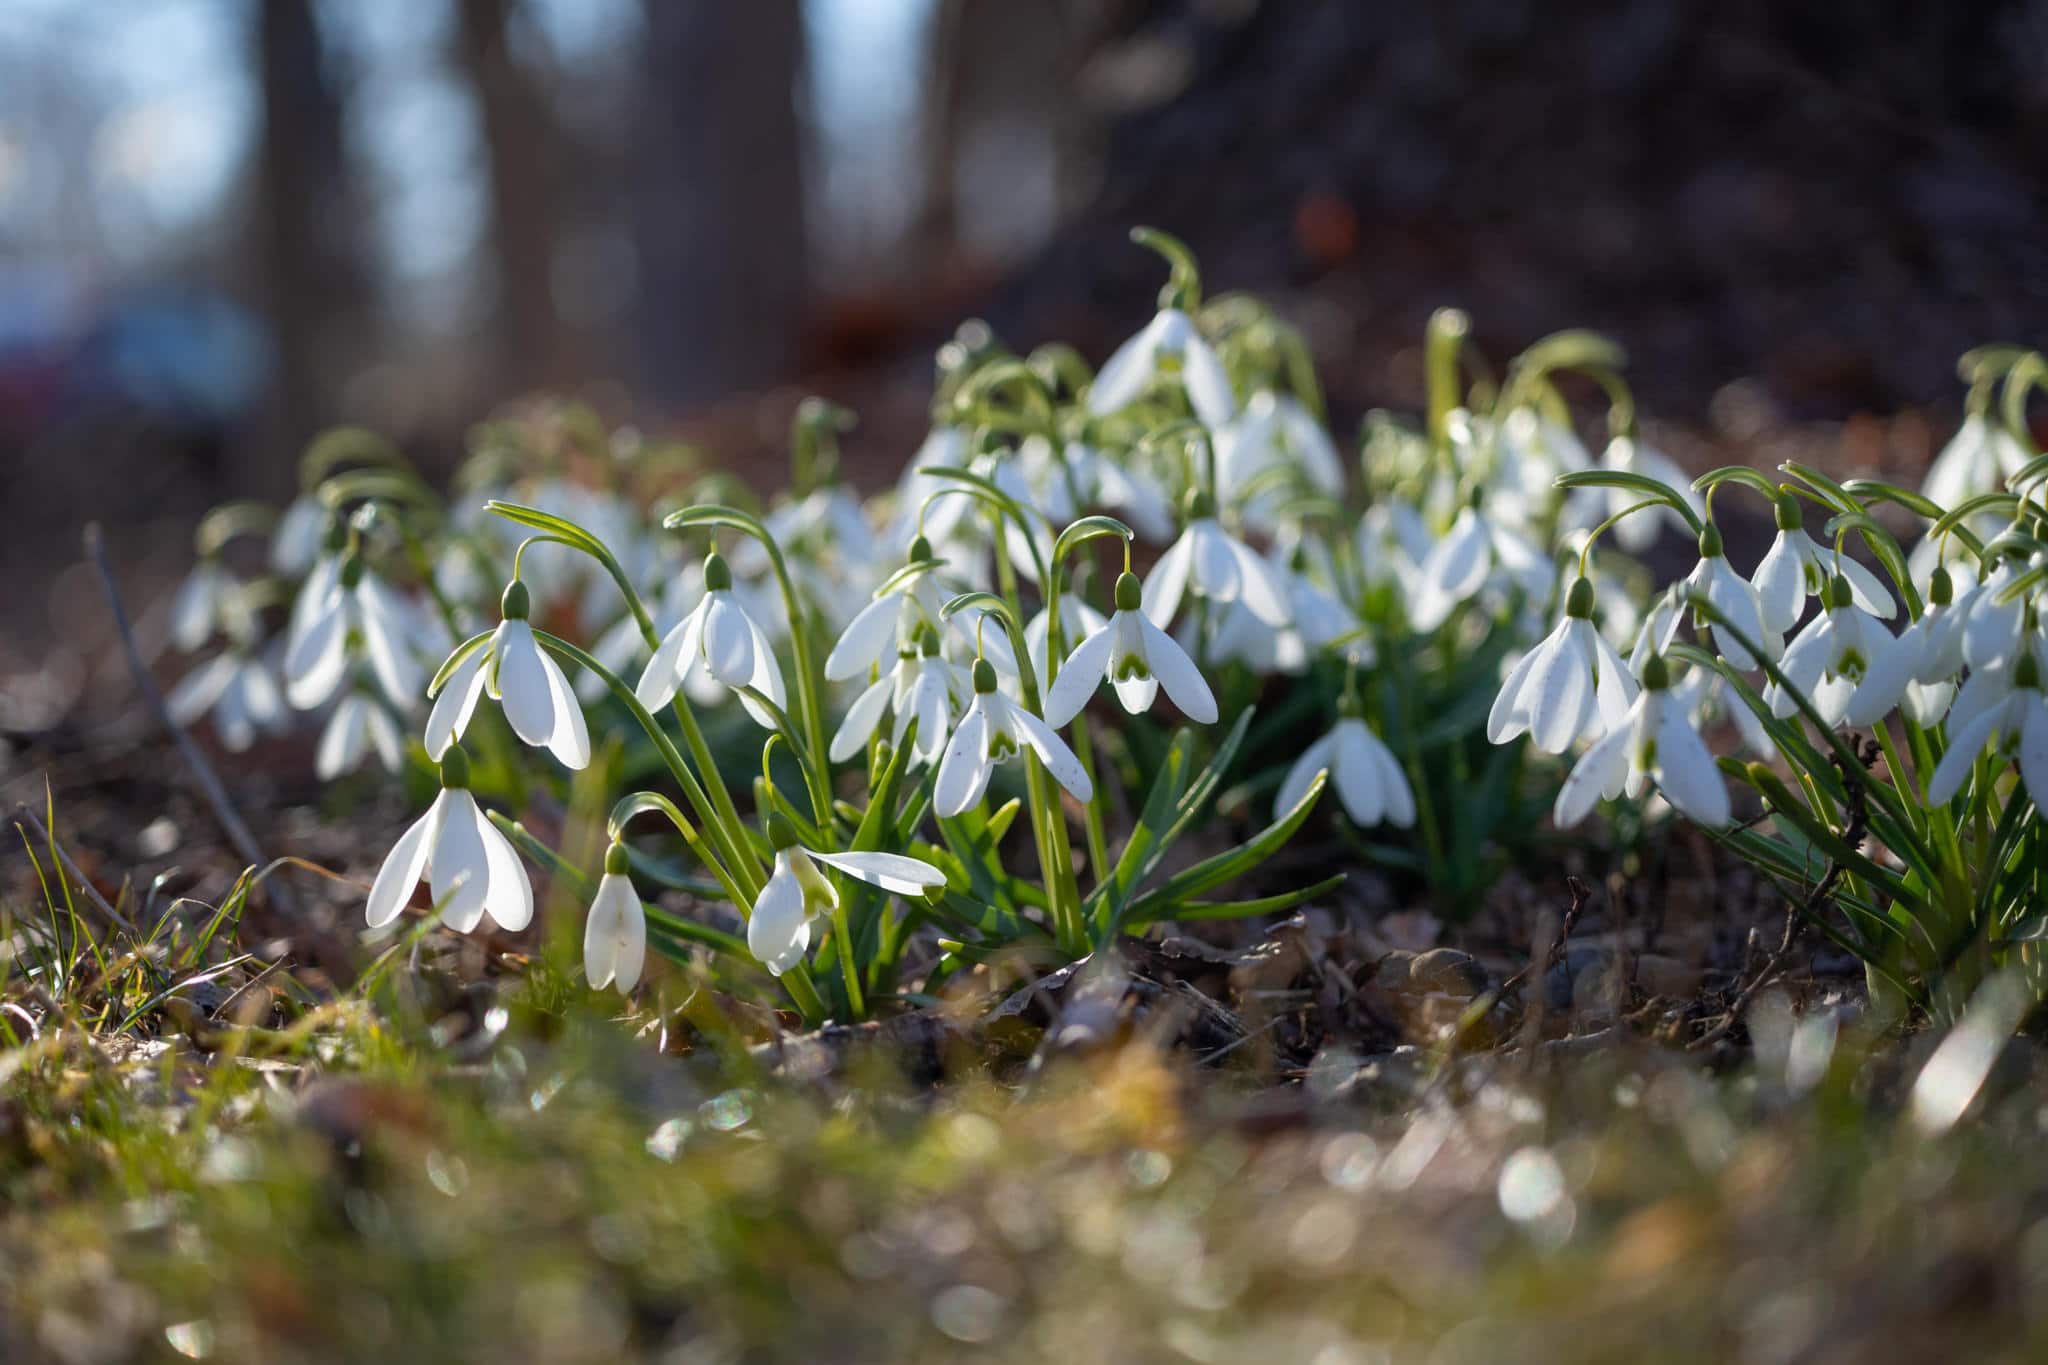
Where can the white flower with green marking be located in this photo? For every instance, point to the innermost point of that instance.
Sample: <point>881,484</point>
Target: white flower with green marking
<point>1169,348</point>
<point>1368,778</point>
<point>1657,743</point>
<point>1137,659</point>
<point>995,730</point>
<point>1572,686</point>
<point>471,869</point>
<point>615,931</point>
<point>522,678</point>
<point>779,929</point>
<point>720,637</point>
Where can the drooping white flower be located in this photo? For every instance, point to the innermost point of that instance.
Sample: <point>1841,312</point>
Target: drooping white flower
<point>1236,635</point>
<point>1920,672</point>
<point>1655,743</point>
<point>1274,432</point>
<point>471,868</point>
<point>240,690</point>
<point>911,602</point>
<point>1572,686</point>
<point>924,686</point>
<point>1795,568</point>
<point>1994,617</point>
<point>1979,458</point>
<point>2015,724</point>
<point>358,726</point>
<point>1475,551</point>
<point>721,637</point>
<point>1368,779</point>
<point>1212,563</point>
<point>1320,617</point>
<point>200,603</point>
<point>1126,489</point>
<point>995,730</point>
<point>1169,344</point>
<point>1834,656</point>
<point>1078,621</point>
<point>295,541</point>
<point>615,931</point>
<point>779,929</point>
<point>1714,579</point>
<point>358,610</point>
<point>510,666</point>
<point>1137,658</point>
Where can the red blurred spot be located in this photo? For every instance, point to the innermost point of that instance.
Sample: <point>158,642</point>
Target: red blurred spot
<point>1325,229</point>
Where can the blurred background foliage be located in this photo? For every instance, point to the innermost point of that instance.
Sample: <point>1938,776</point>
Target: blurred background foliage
<point>226,224</point>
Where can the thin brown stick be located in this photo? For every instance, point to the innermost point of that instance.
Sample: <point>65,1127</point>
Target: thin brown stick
<point>210,787</point>
<point>21,813</point>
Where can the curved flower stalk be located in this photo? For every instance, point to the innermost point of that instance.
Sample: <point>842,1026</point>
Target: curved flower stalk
<point>1636,534</point>
<point>720,637</point>
<point>1137,659</point>
<point>1369,780</point>
<point>510,666</point>
<point>471,869</point>
<point>1795,568</point>
<point>238,687</point>
<point>615,931</point>
<point>779,929</point>
<point>1572,686</point>
<point>924,686</point>
<point>993,731</point>
<point>1844,661</point>
<point>1170,347</point>
<point>1731,594</point>
<point>1210,562</point>
<point>1655,743</point>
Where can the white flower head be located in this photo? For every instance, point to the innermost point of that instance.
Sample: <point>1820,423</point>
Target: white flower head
<point>995,730</point>
<point>615,931</point>
<point>1570,687</point>
<point>523,678</point>
<point>240,690</point>
<point>1844,661</point>
<point>1210,562</point>
<point>354,611</point>
<point>2015,724</point>
<point>295,540</point>
<point>779,929</point>
<point>1715,580</point>
<point>1979,458</point>
<point>358,727</point>
<point>924,686</point>
<point>200,603</point>
<point>1368,778</point>
<point>1476,551</point>
<point>1169,345</point>
<point>1137,658</point>
<point>471,868</point>
<point>721,637</point>
<point>1795,568</point>
<point>1273,433</point>
<point>1655,743</point>
<point>909,603</point>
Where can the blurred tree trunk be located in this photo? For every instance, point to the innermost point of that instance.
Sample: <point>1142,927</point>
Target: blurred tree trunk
<point>312,279</point>
<point>521,144</point>
<point>720,220</point>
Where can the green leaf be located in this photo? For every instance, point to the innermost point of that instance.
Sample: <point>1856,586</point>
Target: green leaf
<point>1264,905</point>
<point>1229,864</point>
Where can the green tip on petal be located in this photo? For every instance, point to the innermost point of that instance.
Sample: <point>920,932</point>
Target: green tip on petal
<point>1656,674</point>
<point>2026,673</point>
<point>1129,595</point>
<point>1786,510</point>
<point>781,833</point>
<point>984,676</point>
<point>615,860</point>
<point>1839,592</point>
<point>717,573</point>
<point>1198,504</point>
<point>517,603</point>
<point>927,643</point>
<point>1942,589</point>
<point>454,767</point>
<point>336,536</point>
<point>1710,541</point>
<point>351,570</point>
<point>1578,603</point>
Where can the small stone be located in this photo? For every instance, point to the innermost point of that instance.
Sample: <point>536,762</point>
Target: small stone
<point>1447,970</point>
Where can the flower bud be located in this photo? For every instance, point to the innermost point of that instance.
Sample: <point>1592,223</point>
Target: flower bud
<point>616,862</point>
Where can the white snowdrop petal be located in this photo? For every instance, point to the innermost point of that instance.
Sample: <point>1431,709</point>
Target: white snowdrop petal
<point>658,681</point>
<point>1259,588</point>
<point>1207,383</point>
<point>316,660</point>
<point>1509,715</point>
<point>1294,786</point>
<point>1963,749</point>
<point>1176,672</point>
<point>402,867</point>
<point>866,639</point>
<point>523,684</point>
<point>778,931</point>
<point>1560,690</point>
<point>1053,752</point>
<point>508,895</point>
<point>1599,773</point>
<point>343,741</point>
<point>728,641</point>
<point>1780,583</point>
<point>1125,374</point>
<point>458,867</point>
<point>890,871</point>
<point>1213,564</point>
<point>1686,772</point>
<point>1399,797</point>
<point>2033,745</point>
<point>861,719</point>
<point>456,704</point>
<point>383,735</point>
<point>200,688</point>
<point>1079,676</point>
<point>1355,774</point>
<point>571,742</point>
<point>1167,582</point>
<point>1869,591</point>
<point>964,771</point>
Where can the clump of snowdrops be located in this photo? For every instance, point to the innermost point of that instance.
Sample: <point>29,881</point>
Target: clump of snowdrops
<point>1072,561</point>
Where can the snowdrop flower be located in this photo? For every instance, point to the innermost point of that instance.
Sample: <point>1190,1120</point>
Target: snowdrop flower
<point>470,867</point>
<point>1170,344</point>
<point>615,931</point>
<point>200,602</point>
<point>356,728</point>
<point>1463,562</point>
<point>1368,780</point>
<point>923,686</point>
<point>1125,489</point>
<point>1572,686</point>
<point>721,637</point>
<point>995,730</point>
<point>1795,568</point>
<point>1992,629</point>
<point>1706,697</point>
<point>2016,725</point>
<point>1216,565</point>
<point>779,930</point>
<point>1273,432</point>
<point>1320,617</point>
<point>1392,543</point>
<point>1235,634</point>
<point>623,650</point>
<point>1979,458</point>
<point>239,689</point>
<point>1834,657</point>
<point>1918,673</point>
<point>911,602</point>
<point>1635,534</point>
<point>1655,743</point>
<point>357,609</point>
<point>1137,658</point>
<point>295,542</point>
<point>523,678</point>
<point>1731,594</point>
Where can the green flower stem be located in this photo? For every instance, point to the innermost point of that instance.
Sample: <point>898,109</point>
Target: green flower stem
<point>849,970</point>
<point>1055,650</point>
<point>746,861</point>
<point>797,981</point>
<point>726,839</point>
